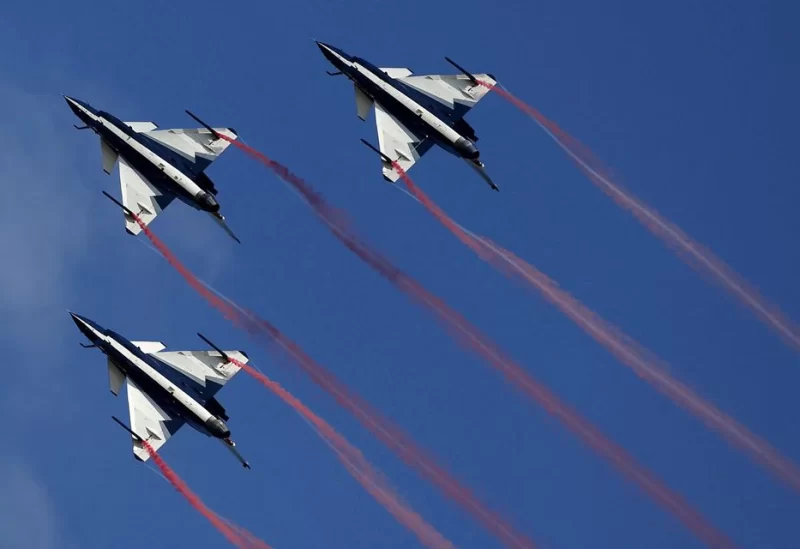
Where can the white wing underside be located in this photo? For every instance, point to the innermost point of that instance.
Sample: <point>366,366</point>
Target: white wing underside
<point>194,143</point>
<point>451,89</point>
<point>203,366</point>
<point>140,196</point>
<point>147,421</point>
<point>395,141</point>
<point>199,366</point>
<point>190,143</point>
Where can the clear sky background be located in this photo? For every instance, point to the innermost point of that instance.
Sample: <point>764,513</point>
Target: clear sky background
<point>693,104</point>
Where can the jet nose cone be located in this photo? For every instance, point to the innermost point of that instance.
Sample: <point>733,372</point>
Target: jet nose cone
<point>86,326</point>
<point>72,104</point>
<point>329,52</point>
<point>82,110</point>
<point>78,319</point>
<point>75,105</point>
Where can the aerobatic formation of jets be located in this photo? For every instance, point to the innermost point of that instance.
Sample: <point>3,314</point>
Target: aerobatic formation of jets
<point>413,113</point>
<point>167,389</point>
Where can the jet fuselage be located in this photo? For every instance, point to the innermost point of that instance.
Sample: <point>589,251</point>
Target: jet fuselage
<point>421,114</point>
<point>177,395</point>
<point>171,173</point>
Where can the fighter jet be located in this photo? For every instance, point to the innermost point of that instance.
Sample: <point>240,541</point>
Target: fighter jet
<point>166,389</point>
<point>414,112</point>
<point>157,166</point>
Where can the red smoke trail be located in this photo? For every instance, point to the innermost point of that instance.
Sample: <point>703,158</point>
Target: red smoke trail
<point>246,540</point>
<point>572,420</point>
<point>584,430</point>
<point>399,442</point>
<point>651,369</point>
<point>382,428</point>
<point>640,360</point>
<point>696,254</point>
<point>225,308</point>
<point>247,536</point>
<point>389,434</point>
<point>480,344</point>
<point>358,466</point>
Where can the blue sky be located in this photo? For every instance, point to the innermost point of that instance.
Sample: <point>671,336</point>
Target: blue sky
<point>695,107</point>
